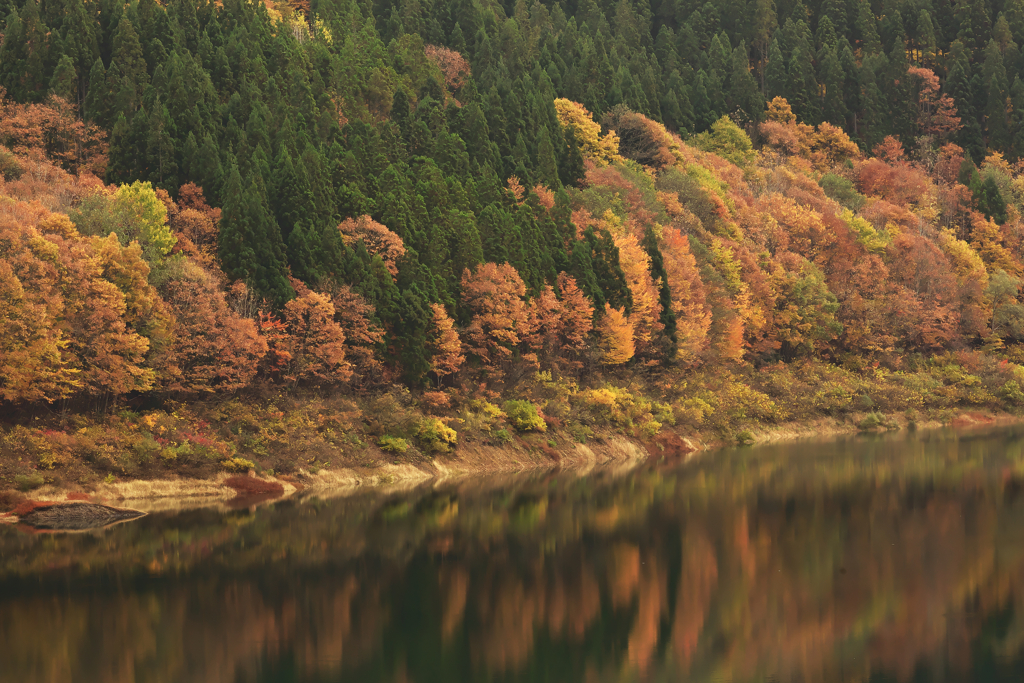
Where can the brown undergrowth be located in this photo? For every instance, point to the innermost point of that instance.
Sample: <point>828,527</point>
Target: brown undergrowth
<point>297,437</point>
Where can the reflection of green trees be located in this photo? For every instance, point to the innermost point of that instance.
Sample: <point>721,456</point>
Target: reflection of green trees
<point>855,558</point>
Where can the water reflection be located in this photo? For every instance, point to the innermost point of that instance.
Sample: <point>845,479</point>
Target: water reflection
<point>894,558</point>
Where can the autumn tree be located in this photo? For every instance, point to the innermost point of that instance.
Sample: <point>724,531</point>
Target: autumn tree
<point>645,313</point>
<point>446,355</point>
<point>602,149</point>
<point>616,337</point>
<point>492,295</point>
<point>689,302</point>
<point>214,349</point>
<point>640,138</point>
<point>316,342</point>
<point>936,112</point>
<point>805,313</point>
<point>378,239</point>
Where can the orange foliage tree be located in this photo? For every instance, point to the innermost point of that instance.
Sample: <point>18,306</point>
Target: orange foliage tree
<point>215,349</point>
<point>446,355</point>
<point>315,342</point>
<point>53,130</point>
<point>493,295</point>
<point>378,240</point>
<point>646,311</point>
<point>689,302</point>
<point>936,113</point>
<point>363,336</point>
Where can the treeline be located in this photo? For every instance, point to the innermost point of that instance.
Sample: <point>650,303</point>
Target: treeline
<point>459,194</point>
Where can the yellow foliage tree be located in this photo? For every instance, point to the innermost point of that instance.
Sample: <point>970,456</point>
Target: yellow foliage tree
<point>616,333</point>
<point>646,312</point>
<point>602,149</point>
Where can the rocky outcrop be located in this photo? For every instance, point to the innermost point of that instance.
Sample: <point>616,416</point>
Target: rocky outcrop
<point>76,516</point>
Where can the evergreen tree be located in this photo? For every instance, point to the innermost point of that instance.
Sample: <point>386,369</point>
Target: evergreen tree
<point>127,76</point>
<point>249,242</point>
<point>997,91</point>
<point>570,163</point>
<point>776,75</point>
<point>961,87</point>
<point>660,275</point>
<point>64,82</point>
<point>743,91</point>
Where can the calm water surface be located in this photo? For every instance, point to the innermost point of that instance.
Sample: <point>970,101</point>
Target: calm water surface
<point>895,558</point>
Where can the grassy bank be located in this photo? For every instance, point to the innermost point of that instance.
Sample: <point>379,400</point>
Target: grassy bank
<point>318,439</point>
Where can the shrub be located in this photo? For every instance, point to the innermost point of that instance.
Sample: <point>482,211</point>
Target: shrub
<point>524,417</point>
<point>435,402</point>
<point>630,413</point>
<point>27,482</point>
<point>392,444</point>
<point>872,421</point>
<point>238,464</point>
<point>745,438</point>
<point>435,436</point>
<point>500,437</point>
<point>10,168</point>
<point>1011,392</point>
<point>580,433</point>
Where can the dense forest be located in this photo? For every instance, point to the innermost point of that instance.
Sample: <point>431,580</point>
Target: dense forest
<point>203,197</point>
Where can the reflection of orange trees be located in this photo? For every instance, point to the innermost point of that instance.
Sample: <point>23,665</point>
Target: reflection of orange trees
<point>698,579</point>
<point>213,633</point>
<point>509,611</point>
<point>454,584</point>
<point>695,572</point>
<point>652,603</point>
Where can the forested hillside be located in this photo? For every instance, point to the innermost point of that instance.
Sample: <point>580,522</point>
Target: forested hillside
<point>729,207</point>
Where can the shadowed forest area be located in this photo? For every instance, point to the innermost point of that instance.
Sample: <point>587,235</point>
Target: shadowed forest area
<point>276,236</point>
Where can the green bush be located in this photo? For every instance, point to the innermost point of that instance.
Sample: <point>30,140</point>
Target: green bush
<point>500,437</point>
<point>392,444</point>
<point>580,433</point>
<point>10,168</point>
<point>745,438</point>
<point>1011,392</point>
<point>27,482</point>
<point>872,421</point>
<point>435,436</point>
<point>524,417</point>
<point>842,190</point>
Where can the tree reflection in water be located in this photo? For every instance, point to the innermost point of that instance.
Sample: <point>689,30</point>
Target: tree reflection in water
<point>884,559</point>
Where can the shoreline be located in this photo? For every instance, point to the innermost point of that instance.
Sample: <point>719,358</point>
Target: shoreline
<point>613,453</point>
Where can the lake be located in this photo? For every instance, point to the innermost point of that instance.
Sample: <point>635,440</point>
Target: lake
<point>895,557</point>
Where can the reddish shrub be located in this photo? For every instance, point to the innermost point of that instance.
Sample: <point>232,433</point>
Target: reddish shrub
<point>435,402</point>
<point>30,505</point>
<point>78,495</point>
